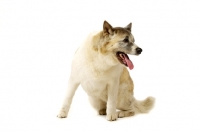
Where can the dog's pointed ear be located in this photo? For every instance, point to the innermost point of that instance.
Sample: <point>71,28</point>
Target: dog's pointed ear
<point>107,28</point>
<point>128,27</point>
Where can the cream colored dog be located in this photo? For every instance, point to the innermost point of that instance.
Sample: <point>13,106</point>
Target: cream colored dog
<point>99,65</point>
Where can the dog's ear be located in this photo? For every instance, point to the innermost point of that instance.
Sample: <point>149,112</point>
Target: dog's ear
<point>128,27</point>
<point>107,28</point>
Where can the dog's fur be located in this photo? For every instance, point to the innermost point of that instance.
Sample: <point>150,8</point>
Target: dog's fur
<point>97,66</point>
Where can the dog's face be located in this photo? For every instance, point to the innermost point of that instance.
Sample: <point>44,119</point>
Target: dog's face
<point>119,41</point>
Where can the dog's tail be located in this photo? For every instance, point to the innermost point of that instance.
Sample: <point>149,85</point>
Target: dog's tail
<point>144,106</point>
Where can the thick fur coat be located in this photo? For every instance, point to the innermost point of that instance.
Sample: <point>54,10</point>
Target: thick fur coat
<point>100,67</point>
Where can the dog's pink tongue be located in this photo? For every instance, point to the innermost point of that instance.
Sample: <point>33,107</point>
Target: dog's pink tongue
<point>129,63</point>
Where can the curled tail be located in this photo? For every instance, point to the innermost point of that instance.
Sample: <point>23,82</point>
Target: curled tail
<point>144,106</point>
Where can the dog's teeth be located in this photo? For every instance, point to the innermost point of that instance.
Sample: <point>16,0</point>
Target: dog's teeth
<point>121,56</point>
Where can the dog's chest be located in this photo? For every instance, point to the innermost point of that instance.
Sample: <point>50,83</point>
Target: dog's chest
<point>97,86</point>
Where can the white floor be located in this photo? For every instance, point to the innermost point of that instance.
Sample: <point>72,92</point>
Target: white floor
<point>38,40</point>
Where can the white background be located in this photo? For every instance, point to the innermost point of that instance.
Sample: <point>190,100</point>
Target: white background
<point>39,37</point>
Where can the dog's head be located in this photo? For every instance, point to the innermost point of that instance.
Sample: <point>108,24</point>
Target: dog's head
<point>119,41</point>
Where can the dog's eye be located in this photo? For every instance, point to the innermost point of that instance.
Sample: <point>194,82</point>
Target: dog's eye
<point>126,40</point>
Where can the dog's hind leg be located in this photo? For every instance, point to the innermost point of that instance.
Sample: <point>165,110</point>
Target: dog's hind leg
<point>127,113</point>
<point>98,104</point>
<point>72,86</point>
<point>126,106</point>
<point>131,107</point>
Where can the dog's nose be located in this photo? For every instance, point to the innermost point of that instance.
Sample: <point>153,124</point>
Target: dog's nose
<point>138,50</point>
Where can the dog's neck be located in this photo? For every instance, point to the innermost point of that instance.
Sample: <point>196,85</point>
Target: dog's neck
<point>100,59</point>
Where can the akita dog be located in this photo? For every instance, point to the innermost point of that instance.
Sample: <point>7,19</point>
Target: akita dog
<point>100,66</point>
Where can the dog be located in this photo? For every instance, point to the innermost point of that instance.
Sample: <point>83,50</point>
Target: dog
<point>100,66</point>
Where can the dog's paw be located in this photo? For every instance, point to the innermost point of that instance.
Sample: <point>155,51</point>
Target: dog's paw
<point>62,114</point>
<point>122,114</point>
<point>102,112</point>
<point>112,116</point>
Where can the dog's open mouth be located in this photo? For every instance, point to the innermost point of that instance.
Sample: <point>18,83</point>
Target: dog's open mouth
<point>124,59</point>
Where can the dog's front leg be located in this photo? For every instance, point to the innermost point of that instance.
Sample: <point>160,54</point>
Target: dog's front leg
<point>112,100</point>
<point>72,86</point>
